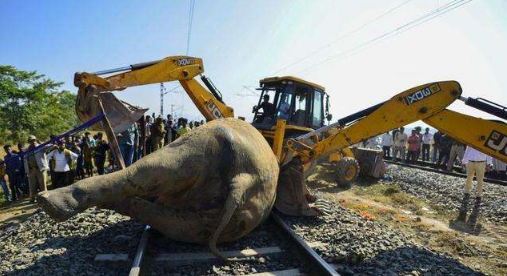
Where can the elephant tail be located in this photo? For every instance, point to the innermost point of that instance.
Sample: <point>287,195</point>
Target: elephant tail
<point>239,184</point>
<point>230,207</point>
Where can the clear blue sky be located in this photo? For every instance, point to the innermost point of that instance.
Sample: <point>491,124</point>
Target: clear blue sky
<point>244,41</point>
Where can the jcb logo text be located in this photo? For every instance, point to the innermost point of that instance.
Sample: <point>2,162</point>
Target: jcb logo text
<point>498,142</point>
<point>421,94</point>
<point>185,61</point>
<point>215,112</point>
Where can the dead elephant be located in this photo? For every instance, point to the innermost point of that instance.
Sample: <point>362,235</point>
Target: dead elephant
<point>214,184</point>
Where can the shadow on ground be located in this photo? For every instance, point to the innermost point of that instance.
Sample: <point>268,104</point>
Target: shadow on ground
<point>472,229</point>
<point>409,261</point>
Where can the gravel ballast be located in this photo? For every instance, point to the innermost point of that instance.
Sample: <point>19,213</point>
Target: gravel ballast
<point>364,247</point>
<point>357,246</point>
<point>41,246</point>
<point>446,191</point>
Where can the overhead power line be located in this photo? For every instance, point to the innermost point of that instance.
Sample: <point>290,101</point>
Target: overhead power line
<point>405,27</point>
<point>190,21</point>
<point>349,33</point>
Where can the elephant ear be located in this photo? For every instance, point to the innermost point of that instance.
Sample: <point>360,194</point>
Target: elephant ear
<point>238,186</point>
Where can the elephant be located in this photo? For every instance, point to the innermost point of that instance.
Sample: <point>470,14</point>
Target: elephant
<point>214,184</point>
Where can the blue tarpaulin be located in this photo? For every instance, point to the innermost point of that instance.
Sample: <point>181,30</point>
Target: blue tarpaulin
<point>40,147</point>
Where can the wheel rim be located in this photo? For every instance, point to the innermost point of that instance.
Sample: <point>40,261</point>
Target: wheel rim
<point>351,173</point>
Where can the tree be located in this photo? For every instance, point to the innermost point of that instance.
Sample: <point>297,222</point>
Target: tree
<point>30,103</point>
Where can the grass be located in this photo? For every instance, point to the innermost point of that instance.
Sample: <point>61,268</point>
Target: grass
<point>390,195</point>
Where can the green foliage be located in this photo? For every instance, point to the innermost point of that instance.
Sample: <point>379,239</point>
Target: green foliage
<point>30,103</point>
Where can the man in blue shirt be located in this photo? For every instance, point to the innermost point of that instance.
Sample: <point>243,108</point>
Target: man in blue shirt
<point>126,143</point>
<point>13,165</point>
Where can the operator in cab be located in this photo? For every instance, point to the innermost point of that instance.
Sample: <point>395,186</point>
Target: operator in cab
<point>266,106</point>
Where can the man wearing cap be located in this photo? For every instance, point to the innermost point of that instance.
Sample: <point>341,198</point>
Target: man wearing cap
<point>61,159</point>
<point>36,164</point>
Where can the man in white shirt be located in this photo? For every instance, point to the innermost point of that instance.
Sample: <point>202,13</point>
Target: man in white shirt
<point>476,163</point>
<point>426,144</point>
<point>387,143</point>
<point>62,160</point>
<point>400,142</point>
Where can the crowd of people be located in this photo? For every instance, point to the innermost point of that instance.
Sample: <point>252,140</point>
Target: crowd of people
<point>441,149</point>
<point>438,148</point>
<point>71,158</point>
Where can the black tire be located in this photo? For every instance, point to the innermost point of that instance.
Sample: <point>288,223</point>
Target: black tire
<point>347,170</point>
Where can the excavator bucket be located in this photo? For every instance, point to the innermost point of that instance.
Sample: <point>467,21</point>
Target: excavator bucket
<point>120,114</point>
<point>370,161</point>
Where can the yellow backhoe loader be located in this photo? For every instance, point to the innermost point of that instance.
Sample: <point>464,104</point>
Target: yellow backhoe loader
<point>303,105</point>
<point>294,126</point>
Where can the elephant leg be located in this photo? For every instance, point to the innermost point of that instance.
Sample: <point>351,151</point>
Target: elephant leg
<point>181,225</point>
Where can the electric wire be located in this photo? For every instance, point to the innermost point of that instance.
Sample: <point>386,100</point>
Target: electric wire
<point>340,38</point>
<point>405,27</point>
<point>190,21</point>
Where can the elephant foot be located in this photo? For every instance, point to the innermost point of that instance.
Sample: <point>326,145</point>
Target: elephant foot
<point>59,207</point>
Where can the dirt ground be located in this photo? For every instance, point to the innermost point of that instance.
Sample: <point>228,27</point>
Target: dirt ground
<point>14,213</point>
<point>483,247</point>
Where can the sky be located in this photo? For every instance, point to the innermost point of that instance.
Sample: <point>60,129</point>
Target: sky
<point>242,42</point>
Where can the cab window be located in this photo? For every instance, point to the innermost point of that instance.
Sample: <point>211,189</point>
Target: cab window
<point>317,109</point>
<point>300,106</point>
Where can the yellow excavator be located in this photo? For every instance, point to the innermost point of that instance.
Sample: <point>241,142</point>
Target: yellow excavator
<point>293,122</point>
<point>303,105</point>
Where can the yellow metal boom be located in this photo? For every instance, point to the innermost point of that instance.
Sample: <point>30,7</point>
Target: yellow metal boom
<point>426,102</point>
<point>175,68</point>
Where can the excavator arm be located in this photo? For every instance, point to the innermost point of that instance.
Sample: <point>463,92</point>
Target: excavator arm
<point>427,103</point>
<point>409,106</point>
<point>487,136</point>
<point>121,114</point>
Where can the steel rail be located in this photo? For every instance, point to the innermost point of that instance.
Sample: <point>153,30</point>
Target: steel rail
<point>136,264</point>
<point>431,169</point>
<point>323,268</point>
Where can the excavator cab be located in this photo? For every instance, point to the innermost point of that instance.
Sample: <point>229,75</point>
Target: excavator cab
<point>303,105</point>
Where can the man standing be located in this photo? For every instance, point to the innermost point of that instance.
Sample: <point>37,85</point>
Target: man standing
<point>127,143</point>
<point>499,168</point>
<point>413,146</point>
<point>23,179</point>
<point>36,164</point>
<point>183,129</point>
<point>100,152</point>
<point>168,126</point>
<point>90,139</point>
<point>147,134</point>
<point>387,143</point>
<point>477,163</point>
<point>399,144</point>
<point>426,144</point>
<point>436,145</point>
<point>158,133</point>
<point>457,150</point>
<point>13,165</point>
<point>62,159</point>
<point>445,149</point>
<point>3,183</point>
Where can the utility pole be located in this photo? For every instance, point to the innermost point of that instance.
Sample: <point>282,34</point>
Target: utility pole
<point>162,92</point>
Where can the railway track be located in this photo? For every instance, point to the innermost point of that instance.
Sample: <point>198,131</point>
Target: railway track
<point>272,249</point>
<point>437,169</point>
